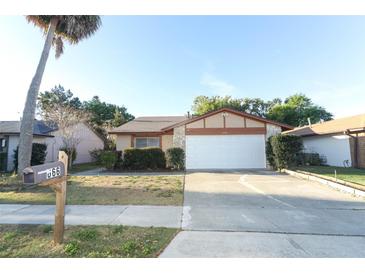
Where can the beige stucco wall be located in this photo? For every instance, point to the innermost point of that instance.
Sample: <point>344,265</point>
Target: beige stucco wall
<point>179,137</point>
<point>235,121</point>
<point>253,123</point>
<point>272,130</point>
<point>123,142</point>
<point>166,142</point>
<point>197,124</point>
<point>215,121</point>
<point>88,141</point>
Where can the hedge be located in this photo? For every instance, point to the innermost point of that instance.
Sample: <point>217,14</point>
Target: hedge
<point>285,151</point>
<point>108,159</point>
<point>39,153</point>
<point>144,158</point>
<point>175,158</point>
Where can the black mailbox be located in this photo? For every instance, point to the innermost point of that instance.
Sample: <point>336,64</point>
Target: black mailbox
<point>42,173</point>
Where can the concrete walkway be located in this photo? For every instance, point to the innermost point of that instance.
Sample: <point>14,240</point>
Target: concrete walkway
<point>145,216</point>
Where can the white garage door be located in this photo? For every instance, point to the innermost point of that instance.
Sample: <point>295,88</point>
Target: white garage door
<point>225,151</point>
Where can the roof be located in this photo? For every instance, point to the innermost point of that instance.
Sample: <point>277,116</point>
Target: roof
<point>165,123</point>
<point>240,113</point>
<point>40,128</point>
<point>148,124</point>
<point>330,127</point>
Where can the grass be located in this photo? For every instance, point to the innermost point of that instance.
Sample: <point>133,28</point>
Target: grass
<point>101,190</point>
<point>22,241</point>
<point>353,175</point>
<point>83,167</point>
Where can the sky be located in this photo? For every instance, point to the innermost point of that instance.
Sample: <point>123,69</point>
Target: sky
<point>157,65</point>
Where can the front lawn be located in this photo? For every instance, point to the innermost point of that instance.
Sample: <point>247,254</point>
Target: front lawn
<point>19,241</point>
<point>83,167</point>
<point>101,190</point>
<point>353,175</point>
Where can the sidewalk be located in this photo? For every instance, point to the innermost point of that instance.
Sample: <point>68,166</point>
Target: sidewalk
<point>145,216</point>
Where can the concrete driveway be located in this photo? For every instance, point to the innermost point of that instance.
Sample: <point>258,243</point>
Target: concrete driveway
<point>265,214</point>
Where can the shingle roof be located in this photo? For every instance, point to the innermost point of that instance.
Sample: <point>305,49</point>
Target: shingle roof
<point>330,127</point>
<point>13,127</point>
<point>148,124</point>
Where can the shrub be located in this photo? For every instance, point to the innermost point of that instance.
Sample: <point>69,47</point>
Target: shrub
<point>39,153</point>
<point>108,159</point>
<point>310,159</point>
<point>144,158</point>
<point>286,149</point>
<point>175,158</point>
<point>270,154</point>
<point>95,155</point>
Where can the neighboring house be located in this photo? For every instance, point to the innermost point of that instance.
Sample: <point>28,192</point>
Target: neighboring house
<point>42,133</point>
<point>340,141</point>
<point>222,139</point>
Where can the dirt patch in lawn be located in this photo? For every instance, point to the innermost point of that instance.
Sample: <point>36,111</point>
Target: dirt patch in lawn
<point>105,190</point>
<point>19,241</point>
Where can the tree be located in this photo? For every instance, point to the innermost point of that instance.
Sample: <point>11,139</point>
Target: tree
<point>204,104</point>
<point>58,28</point>
<point>55,97</point>
<point>296,110</point>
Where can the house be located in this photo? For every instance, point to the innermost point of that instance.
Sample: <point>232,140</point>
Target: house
<point>222,139</point>
<point>341,141</point>
<point>51,136</point>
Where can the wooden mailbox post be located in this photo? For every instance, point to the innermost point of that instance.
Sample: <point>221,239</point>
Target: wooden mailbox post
<point>53,175</point>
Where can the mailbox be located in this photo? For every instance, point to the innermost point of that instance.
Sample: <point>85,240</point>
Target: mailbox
<point>42,173</point>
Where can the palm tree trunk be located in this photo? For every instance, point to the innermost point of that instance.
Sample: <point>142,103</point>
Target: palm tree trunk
<point>26,126</point>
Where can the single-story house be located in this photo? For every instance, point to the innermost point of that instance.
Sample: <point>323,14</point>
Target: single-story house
<point>341,141</point>
<point>222,139</point>
<point>51,136</point>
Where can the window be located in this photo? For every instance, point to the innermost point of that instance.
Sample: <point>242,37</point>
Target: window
<point>147,142</point>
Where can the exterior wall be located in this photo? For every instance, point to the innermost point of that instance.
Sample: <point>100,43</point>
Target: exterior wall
<point>336,149</point>
<point>361,150</point>
<point>166,142</point>
<point>197,124</point>
<point>234,121</point>
<point>88,141</point>
<point>215,121</point>
<point>123,142</point>
<point>253,123</point>
<point>13,143</point>
<point>179,137</point>
<point>272,130</point>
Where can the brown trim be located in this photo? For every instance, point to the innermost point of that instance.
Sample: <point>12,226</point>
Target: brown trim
<point>243,114</point>
<point>225,131</point>
<point>244,118</point>
<point>204,123</point>
<point>161,141</point>
<point>224,121</point>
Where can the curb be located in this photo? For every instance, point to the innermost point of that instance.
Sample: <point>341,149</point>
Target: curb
<point>336,185</point>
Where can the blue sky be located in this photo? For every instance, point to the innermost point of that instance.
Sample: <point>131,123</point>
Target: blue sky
<point>156,65</point>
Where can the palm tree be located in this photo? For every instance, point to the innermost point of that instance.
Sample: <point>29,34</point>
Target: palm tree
<point>72,28</point>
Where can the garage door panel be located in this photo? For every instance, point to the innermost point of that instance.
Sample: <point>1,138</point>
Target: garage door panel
<point>225,151</point>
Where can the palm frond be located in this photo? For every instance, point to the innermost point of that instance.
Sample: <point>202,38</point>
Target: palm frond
<point>58,43</point>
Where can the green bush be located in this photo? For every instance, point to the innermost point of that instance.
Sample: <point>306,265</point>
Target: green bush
<point>108,159</point>
<point>95,155</point>
<point>175,158</point>
<point>310,159</point>
<point>39,153</point>
<point>286,150</point>
<point>270,157</point>
<point>144,158</point>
